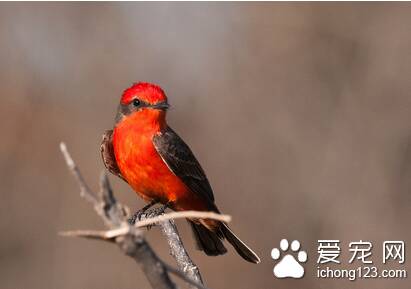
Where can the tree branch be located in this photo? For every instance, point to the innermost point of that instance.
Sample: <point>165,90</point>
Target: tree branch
<point>177,250</point>
<point>185,214</point>
<point>129,238</point>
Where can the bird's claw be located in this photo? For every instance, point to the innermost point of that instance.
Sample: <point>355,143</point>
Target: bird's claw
<point>157,211</point>
<point>136,217</point>
<point>149,213</point>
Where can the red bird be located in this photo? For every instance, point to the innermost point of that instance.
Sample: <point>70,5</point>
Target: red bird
<point>146,153</point>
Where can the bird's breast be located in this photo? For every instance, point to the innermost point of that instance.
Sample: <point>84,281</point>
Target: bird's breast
<point>142,166</point>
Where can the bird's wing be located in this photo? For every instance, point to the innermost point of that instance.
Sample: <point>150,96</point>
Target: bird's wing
<point>107,154</point>
<point>182,162</point>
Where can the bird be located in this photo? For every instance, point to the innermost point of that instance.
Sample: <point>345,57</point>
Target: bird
<point>160,167</point>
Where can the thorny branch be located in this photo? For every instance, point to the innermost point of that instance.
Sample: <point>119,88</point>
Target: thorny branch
<point>130,238</point>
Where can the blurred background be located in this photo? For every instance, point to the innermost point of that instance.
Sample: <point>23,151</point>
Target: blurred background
<point>299,113</point>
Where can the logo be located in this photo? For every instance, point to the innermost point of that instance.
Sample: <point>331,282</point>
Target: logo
<point>358,264</point>
<point>394,250</point>
<point>288,265</point>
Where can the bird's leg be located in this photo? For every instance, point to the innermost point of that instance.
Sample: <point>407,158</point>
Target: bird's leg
<point>156,212</point>
<point>137,215</point>
<point>162,209</point>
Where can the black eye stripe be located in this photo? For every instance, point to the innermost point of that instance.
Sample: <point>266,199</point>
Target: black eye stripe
<point>135,105</point>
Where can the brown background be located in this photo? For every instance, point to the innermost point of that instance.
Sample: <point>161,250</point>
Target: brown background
<point>299,113</point>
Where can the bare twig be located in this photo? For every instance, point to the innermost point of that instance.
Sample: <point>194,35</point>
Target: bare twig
<point>92,234</point>
<point>194,283</point>
<point>178,251</point>
<point>185,214</point>
<point>143,223</point>
<point>85,191</point>
<point>129,238</point>
<point>111,235</point>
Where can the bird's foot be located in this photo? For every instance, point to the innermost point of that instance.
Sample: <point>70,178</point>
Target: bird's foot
<point>137,215</point>
<point>154,213</point>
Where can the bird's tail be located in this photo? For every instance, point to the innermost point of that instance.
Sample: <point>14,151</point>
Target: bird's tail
<point>242,249</point>
<point>208,241</point>
<point>211,242</point>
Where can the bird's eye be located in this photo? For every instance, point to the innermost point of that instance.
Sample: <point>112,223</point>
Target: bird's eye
<point>136,102</point>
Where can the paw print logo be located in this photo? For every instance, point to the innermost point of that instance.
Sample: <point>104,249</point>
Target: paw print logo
<point>289,266</point>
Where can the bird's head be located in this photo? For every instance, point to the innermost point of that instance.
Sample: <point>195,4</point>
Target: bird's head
<point>143,100</point>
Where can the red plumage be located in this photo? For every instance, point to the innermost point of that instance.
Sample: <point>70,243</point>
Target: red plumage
<point>146,91</point>
<point>160,167</point>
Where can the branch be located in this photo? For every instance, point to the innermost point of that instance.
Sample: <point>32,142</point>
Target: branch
<point>85,191</point>
<point>178,251</point>
<point>148,221</point>
<point>175,244</point>
<point>129,238</point>
<point>110,236</point>
<point>169,230</point>
<point>185,214</point>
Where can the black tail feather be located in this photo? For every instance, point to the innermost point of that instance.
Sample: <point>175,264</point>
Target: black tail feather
<point>239,246</point>
<point>211,242</point>
<point>208,241</point>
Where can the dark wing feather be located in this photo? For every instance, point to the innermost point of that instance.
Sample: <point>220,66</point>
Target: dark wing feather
<point>107,153</point>
<point>182,162</point>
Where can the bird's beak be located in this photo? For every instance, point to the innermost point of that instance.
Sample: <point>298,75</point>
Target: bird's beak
<point>161,105</point>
